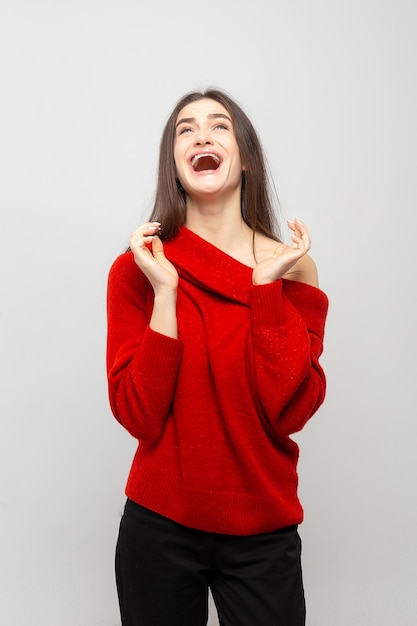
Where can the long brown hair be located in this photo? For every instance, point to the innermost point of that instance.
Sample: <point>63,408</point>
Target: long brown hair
<point>256,204</point>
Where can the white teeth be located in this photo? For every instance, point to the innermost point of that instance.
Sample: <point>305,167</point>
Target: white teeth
<point>205,154</point>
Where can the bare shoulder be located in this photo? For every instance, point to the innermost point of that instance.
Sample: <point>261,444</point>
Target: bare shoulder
<point>304,271</point>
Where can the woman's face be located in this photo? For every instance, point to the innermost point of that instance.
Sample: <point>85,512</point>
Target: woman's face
<point>206,153</point>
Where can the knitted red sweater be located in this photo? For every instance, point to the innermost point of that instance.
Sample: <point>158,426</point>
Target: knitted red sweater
<point>214,409</point>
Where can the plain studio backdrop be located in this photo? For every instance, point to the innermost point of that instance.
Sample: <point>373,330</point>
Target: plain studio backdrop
<point>86,87</point>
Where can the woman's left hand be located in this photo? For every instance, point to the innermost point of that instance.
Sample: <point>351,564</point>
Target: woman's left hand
<point>285,257</point>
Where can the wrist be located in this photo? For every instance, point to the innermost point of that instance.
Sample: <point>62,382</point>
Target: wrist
<point>164,313</point>
<point>263,282</point>
<point>165,294</point>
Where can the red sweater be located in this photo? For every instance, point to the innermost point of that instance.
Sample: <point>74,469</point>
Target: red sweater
<point>214,409</point>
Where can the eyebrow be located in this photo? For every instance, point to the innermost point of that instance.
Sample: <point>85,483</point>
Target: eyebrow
<point>211,116</point>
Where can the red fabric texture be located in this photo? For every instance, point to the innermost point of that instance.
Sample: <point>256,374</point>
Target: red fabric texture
<point>214,409</point>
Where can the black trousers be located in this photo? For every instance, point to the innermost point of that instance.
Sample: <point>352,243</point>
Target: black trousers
<point>164,571</point>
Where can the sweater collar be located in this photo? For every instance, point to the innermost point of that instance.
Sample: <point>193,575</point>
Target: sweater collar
<point>208,267</point>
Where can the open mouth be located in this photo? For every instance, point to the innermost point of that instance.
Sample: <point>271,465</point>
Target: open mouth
<point>205,162</point>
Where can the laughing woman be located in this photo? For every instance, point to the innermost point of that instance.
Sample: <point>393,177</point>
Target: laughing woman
<point>215,329</point>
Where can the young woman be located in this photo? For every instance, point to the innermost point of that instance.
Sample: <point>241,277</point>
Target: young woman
<point>215,328</point>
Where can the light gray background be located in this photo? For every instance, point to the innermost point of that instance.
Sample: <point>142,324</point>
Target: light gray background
<point>86,86</point>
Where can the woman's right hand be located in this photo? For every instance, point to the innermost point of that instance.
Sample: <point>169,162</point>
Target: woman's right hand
<point>160,272</point>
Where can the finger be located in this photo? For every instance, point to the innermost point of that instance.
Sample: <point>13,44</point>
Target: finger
<point>144,234</point>
<point>296,229</point>
<point>291,225</point>
<point>148,228</point>
<point>296,235</point>
<point>301,228</point>
<point>302,242</point>
<point>301,231</point>
<point>298,244</point>
<point>299,224</point>
<point>157,248</point>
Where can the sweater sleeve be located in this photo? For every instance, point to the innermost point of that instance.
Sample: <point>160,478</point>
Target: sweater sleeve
<point>142,365</point>
<point>288,319</point>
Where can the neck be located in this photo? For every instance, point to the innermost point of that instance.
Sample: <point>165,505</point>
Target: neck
<point>225,231</point>
<point>213,217</point>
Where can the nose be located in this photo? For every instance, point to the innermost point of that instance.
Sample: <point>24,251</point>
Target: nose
<point>202,136</point>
